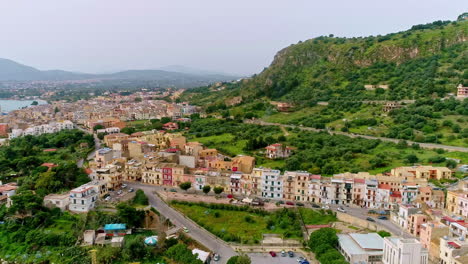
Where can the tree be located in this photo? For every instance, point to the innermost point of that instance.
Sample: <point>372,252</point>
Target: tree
<point>411,158</point>
<point>241,259</point>
<point>322,236</point>
<point>206,189</point>
<point>140,198</point>
<point>34,103</point>
<point>96,127</point>
<point>185,185</point>
<point>134,248</point>
<point>129,215</point>
<point>451,164</point>
<point>218,190</point>
<point>138,99</point>
<point>181,254</point>
<point>56,110</point>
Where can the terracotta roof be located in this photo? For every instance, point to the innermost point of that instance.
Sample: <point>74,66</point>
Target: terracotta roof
<point>395,194</point>
<point>359,181</point>
<point>384,186</point>
<point>49,165</point>
<point>50,150</point>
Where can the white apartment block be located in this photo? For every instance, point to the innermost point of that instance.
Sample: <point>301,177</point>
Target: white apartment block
<point>272,184</point>
<point>404,251</point>
<point>83,198</point>
<point>52,127</point>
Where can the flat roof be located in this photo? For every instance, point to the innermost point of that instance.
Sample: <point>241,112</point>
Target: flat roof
<point>368,241</point>
<point>115,227</point>
<point>351,247</point>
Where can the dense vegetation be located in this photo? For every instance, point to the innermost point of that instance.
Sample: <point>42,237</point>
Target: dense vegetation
<point>241,224</point>
<point>318,153</point>
<point>323,243</point>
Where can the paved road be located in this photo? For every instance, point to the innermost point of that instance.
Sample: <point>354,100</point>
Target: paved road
<point>265,258</point>
<point>201,235</point>
<point>422,145</point>
<point>387,224</point>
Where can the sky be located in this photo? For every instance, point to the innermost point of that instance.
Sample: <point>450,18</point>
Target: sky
<point>238,37</point>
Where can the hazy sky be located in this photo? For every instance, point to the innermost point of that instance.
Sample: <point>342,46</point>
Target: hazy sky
<point>238,36</point>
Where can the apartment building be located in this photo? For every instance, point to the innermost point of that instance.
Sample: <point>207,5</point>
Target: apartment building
<point>272,184</point>
<point>83,198</point>
<point>422,172</point>
<point>453,251</point>
<point>403,251</point>
<point>430,235</point>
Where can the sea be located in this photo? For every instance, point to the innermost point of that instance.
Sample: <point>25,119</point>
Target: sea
<point>10,105</point>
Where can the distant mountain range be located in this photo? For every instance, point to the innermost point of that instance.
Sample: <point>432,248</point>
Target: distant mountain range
<point>13,71</point>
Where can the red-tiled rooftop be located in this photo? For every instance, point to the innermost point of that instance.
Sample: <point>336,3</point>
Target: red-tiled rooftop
<point>384,186</point>
<point>49,165</point>
<point>50,150</point>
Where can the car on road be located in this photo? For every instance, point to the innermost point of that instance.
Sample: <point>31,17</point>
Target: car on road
<point>108,198</point>
<point>185,229</point>
<point>131,190</point>
<point>291,254</point>
<point>299,204</point>
<point>382,217</point>
<point>124,186</point>
<point>216,257</point>
<point>283,253</point>
<point>173,190</point>
<point>315,205</point>
<point>341,209</point>
<point>272,253</point>
<point>325,207</point>
<point>289,203</point>
<point>300,259</point>
<point>370,219</point>
<point>119,192</point>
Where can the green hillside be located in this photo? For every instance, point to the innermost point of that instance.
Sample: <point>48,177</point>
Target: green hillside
<point>425,63</point>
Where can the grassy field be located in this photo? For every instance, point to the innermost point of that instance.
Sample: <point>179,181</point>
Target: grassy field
<point>224,143</point>
<point>316,217</point>
<point>287,117</point>
<point>240,226</point>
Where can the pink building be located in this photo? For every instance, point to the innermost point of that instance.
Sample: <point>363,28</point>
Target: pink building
<point>414,223</point>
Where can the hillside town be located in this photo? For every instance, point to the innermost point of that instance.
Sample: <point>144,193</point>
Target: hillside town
<point>434,224</point>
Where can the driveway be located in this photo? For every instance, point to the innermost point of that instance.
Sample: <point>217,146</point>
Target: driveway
<point>201,235</point>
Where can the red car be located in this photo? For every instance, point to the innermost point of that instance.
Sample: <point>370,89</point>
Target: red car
<point>289,203</point>
<point>272,253</point>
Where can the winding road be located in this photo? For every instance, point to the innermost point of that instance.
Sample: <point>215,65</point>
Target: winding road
<point>422,145</point>
<point>196,232</point>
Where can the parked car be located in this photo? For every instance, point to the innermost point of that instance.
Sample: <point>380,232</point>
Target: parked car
<point>272,253</point>
<point>119,192</point>
<point>341,209</point>
<point>216,257</point>
<point>315,205</point>
<point>289,203</point>
<point>280,202</point>
<point>382,217</point>
<point>131,190</point>
<point>291,254</point>
<point>283,253</point>
<point>370,219</point>
<point>124,186</point>
<point>108,198</point>
<point>326,207</point>
<point>173,190</point>
<point>300,259</point>
<point>185,229</point>
<point>299,204</point>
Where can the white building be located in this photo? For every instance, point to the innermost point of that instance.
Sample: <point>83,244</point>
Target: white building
<point>361,248</point>
<point>83,198</point>
<point>52,127</point>
<point>272,184</point>
<point>453,250</point>
<point>60,201</point>
<point>404,251</point>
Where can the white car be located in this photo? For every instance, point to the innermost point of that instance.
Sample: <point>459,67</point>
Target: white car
<point>341,209</point>
<point>325,207</point>
<point>108,198</point>
<point>124,186</point>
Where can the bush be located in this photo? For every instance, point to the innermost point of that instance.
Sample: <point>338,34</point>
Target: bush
<point>140,198</point>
